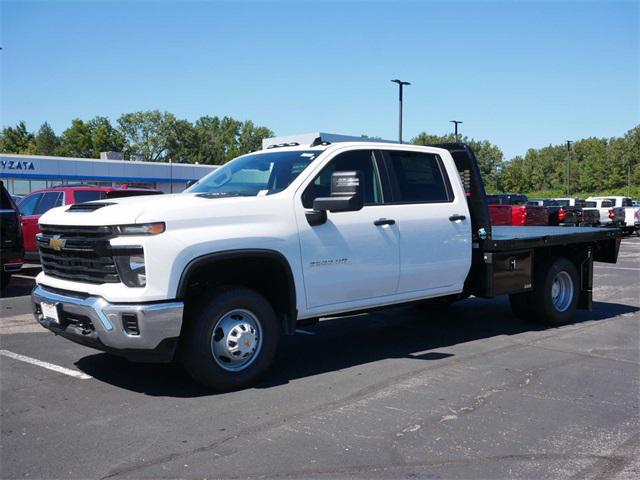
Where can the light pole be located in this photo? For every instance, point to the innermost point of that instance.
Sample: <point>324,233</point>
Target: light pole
<point>569,142</point>
<point>400,85</point>
<point>456,122</point>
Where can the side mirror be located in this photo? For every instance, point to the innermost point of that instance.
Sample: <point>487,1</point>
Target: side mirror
<point>346,194</point>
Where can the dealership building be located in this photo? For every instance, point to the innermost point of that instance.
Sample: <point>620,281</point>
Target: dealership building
<point>23,174</point>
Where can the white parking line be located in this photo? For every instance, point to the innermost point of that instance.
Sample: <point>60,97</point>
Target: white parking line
<point>47,365</point>
<point>618,268</point>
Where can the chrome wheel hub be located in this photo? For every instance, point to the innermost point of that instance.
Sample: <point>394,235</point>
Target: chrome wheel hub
<point>236,340</point>
<point>562,291</point>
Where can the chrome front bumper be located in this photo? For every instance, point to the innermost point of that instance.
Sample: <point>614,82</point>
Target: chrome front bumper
<point>94,322</point>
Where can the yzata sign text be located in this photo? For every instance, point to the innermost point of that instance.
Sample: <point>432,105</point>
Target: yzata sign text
<point>16,165</point>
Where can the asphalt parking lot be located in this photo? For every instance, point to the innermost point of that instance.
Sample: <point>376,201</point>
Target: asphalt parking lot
<point>468,392</point>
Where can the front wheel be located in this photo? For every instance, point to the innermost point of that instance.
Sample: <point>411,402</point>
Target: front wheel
<point>231,339</point>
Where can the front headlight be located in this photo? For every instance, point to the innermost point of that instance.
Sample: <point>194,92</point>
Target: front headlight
<point>141,229</point>
<point>132,269</point>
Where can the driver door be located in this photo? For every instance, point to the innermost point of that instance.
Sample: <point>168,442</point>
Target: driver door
<point>352,258</point>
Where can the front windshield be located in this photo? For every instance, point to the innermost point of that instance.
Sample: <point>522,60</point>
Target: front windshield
<point>256,174</point>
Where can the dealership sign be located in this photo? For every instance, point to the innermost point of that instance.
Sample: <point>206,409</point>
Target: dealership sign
<point>16,165</point>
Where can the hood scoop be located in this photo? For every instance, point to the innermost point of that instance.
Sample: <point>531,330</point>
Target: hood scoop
<point>88,207</point>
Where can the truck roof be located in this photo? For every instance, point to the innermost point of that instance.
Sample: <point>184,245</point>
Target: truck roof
<point>314,139</point>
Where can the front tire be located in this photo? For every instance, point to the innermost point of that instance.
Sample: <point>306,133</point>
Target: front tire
<point>231,339</point>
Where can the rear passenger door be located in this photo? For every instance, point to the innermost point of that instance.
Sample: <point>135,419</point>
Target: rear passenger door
<point>430,208</point>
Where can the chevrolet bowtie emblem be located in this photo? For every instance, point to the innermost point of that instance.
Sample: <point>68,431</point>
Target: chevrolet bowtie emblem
<point>57,243</point>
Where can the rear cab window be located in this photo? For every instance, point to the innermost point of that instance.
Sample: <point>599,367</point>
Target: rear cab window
<point>417,177</point>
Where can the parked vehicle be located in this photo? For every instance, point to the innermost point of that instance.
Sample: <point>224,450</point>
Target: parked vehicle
<point>559,214</point>
<point>630,212</point>
<point>610,215</point>
<point>588,217</point>
<point>11,247</point>
<point>521,213</point>
<point>36,203</point>
<point>291,234</point>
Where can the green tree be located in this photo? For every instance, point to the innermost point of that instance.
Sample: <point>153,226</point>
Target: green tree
<point>76,140</point>
<point>17,140</point>
<point>104,137</point>
<point>46,140</point>
<point>147,134</point>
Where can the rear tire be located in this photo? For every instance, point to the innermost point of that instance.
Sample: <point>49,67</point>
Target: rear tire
<point>231,339</point>
<point>554,299</point>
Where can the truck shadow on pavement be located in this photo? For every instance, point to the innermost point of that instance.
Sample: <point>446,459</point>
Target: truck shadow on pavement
<point>340,343</point>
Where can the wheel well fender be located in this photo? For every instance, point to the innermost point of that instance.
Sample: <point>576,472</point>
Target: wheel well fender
<point>266,271</point>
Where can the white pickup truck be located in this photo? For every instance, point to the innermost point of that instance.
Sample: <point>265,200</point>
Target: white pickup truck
<point>631,213</point>
<point>610,215</point>
<point>215,275</point>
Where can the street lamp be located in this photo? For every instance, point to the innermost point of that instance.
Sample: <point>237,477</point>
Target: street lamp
<point>569,142</point>
<point>456,122</point>
<point>400,85</point>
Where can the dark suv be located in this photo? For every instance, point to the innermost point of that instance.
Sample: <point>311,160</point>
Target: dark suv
<point>11,245</point>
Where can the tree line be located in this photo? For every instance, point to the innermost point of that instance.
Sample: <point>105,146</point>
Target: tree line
<point>597,165</point>
<point>152,136</point>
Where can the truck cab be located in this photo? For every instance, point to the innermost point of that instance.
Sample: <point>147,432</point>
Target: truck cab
<point>295,232</point>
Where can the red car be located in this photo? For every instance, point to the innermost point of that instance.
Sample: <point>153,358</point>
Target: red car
<point>512,209</point>
<point>38,202</point>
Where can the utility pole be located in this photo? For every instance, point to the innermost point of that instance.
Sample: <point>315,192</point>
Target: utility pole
<point>456,122</point>
<point>400,85</point>
<point>569,142</point>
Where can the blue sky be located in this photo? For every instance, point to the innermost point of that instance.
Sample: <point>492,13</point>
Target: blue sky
<point>520,74</point>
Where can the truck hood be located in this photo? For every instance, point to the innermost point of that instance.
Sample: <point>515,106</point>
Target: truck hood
<point>152,208</point>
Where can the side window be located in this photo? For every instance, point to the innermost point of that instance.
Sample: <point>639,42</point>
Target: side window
<point>606,204</point>
<point>419,178</point>
<point>28,205</point>
<point>47,202</point>
<point>82,196</point>
<point>355,160</point>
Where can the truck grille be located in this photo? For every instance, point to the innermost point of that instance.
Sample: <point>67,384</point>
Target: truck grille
<point>80,254</point>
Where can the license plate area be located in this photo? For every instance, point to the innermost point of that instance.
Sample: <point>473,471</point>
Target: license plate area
<point>51,311</point>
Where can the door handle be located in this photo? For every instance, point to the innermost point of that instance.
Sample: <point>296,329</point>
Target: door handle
<point>457,217</point>
<point>384,221</point>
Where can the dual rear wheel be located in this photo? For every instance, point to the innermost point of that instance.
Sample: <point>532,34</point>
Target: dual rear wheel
<point>554,299</point>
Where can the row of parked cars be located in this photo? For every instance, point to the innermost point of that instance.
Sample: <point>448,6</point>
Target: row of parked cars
<point>519,210</point>
<point>19,216</point>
